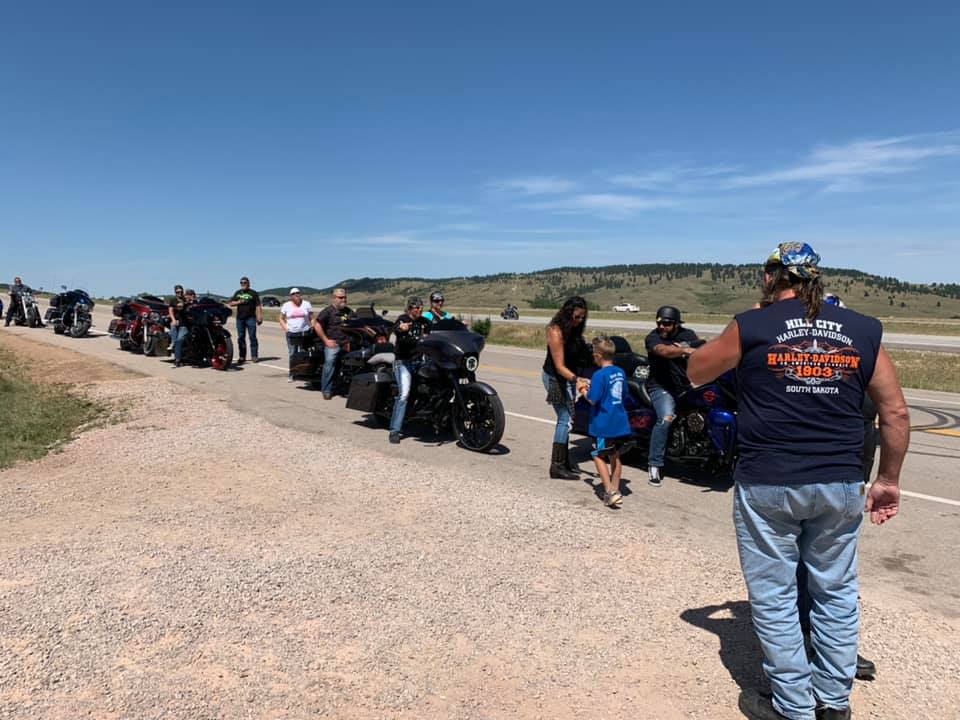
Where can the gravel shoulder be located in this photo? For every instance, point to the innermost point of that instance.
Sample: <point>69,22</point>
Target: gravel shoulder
<point>189,561</point>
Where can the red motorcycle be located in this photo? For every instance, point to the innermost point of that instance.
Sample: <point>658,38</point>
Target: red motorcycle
<point>141,325</point>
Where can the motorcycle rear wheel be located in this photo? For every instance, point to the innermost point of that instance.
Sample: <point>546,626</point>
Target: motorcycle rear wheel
<point>222,353</point>
<point>480,424</point>
<point>59,329</point>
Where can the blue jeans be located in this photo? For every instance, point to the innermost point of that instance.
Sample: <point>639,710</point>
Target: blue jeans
<point>779,526</point>
<point>178,333</point>
<point>666,407</point>
<point>329,365</point>
<point>403,371</point>
<point>247,325</point>
<point>561,433</point>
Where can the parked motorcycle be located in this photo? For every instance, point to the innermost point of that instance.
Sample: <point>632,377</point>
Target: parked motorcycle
<point>140,324</point>
<point>367,333</point>
<point>704,431</point>
<point>70,312</point>
<point>25,308</point>
<point>208,341</point>
<point>445,392</point>
<point>510,312</point>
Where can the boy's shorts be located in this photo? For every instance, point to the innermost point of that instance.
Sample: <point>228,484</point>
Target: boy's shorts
<point>603,447</point>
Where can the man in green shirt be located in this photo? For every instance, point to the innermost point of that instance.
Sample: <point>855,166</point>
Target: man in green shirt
<point>249,315</point>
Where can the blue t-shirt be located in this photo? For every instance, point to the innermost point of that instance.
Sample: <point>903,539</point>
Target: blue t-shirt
<point>800,387</point>
<point>608,417</point>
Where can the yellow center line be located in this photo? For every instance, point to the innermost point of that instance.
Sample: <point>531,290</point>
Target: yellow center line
<point>941,431</point>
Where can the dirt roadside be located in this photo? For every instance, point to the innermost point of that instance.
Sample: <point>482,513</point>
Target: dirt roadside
<point>189,561</point>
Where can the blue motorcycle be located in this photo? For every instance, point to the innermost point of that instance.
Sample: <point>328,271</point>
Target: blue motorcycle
<point>704,432</point>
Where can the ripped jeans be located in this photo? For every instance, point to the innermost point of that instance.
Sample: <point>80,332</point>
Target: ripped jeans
<point>666,407</point>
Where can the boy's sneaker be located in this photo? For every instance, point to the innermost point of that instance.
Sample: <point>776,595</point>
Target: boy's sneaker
<point>655,479</point>
<point>612,499</point>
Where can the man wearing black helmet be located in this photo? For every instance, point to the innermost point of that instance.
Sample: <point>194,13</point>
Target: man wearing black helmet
<point>668,347</point>
<point>436,312</point>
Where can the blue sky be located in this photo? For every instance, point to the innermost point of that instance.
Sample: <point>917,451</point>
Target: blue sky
<point>143,144</point>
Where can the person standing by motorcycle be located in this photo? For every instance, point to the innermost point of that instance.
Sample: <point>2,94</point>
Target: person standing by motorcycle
<point>295,316</point>
<point>177,310</point>
<point>15,291</point>
<point>249,316</point>
<point>436,313</point>
<point>566,350</point>
<point>668,347</point>
<point>408,330</point>
<point>329,328</point>
<point>799,497</point>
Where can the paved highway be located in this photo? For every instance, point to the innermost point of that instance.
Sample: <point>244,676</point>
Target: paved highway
<point>940,343</point>
<point>912,557</point>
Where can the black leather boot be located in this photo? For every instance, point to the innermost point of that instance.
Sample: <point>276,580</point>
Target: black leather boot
<point>558,468</point>
<point>866,669</point>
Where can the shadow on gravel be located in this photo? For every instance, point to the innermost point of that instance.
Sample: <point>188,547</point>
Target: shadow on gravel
<point>739,649</point>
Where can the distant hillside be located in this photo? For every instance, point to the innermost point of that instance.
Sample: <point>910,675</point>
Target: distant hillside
<point>694,287</point>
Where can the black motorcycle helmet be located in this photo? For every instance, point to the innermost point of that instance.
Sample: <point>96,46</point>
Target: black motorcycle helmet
<point>669,312</point>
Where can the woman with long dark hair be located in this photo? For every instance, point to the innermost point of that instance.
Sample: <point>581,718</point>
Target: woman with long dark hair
<point>566,349</point>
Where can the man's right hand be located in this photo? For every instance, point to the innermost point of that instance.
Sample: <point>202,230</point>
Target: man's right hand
<point>330,343</point>
<point>883,500</point>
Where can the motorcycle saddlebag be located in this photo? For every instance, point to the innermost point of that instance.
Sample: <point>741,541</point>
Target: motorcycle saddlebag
<point>366,389</point>
<point>117,327</point>
<point>52,312</point>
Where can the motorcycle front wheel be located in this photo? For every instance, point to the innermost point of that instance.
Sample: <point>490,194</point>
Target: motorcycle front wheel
<point>80,327</point>
<point>480,423</point>
<point>35,320</point>
<point>150,346</point>
<point>222,352</point>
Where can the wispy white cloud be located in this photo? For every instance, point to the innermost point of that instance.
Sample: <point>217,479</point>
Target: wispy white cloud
<point>672,178</point>
<point>607,205</point>
<point>535,185</point>
<point>838,165</point>
<point>389,240</point>
<point>438,208</point>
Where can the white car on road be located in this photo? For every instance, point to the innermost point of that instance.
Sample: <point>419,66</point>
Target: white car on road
<point>626,307</point>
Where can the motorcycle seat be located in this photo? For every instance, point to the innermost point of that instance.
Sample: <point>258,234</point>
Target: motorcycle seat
<point>382,357</point>
<point>639,390</point>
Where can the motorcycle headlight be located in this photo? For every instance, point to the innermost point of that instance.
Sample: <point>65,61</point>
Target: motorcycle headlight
<point>471,363</point>
<point>641,372</point>
<point>154,317</point>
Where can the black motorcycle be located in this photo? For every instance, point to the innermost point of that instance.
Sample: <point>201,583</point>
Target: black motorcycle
<point>510,312</point>
<point>24,307</point>
<point>444,393</point>
<point>366,335</point>
<point>208,341</point>
<point>70,312</point>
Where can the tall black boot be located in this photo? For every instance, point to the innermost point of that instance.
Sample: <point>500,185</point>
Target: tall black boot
<point>566,461</point>
<point>558,468</point>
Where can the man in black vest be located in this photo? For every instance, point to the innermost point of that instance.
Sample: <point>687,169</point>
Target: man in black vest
<point>803,368</point>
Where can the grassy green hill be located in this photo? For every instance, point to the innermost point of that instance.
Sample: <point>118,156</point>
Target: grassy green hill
<point>693,287</point>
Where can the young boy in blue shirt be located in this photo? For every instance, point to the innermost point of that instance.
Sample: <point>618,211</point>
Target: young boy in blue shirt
<point>609,424</point>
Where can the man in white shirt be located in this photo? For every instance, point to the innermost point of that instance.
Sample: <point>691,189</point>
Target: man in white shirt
<point>295,318</point>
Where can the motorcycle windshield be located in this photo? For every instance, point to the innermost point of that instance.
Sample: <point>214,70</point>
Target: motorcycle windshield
<point>449,340</point>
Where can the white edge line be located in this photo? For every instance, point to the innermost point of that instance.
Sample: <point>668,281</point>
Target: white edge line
<point>931,498</point>
<point>530,417</point>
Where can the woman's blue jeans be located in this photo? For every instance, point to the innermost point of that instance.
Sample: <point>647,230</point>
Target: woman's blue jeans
<point>403,371</point>
<point>561,434</point>
<point>818,524</point>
